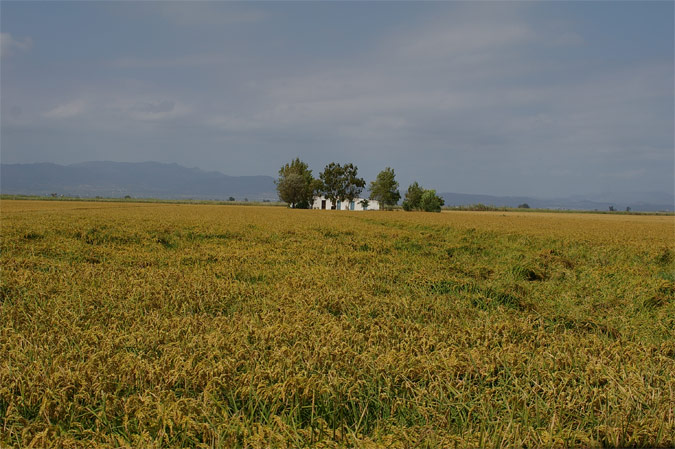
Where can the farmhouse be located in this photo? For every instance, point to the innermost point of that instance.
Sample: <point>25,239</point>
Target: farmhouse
<point>322,202</point>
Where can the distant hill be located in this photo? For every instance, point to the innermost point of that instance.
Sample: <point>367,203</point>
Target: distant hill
<point>651,201</point>
<point>143,179</point>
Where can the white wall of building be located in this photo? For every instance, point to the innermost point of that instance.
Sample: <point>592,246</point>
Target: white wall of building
<point>324,203</point>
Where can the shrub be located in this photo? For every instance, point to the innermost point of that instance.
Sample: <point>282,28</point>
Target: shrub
<point>430,202</point>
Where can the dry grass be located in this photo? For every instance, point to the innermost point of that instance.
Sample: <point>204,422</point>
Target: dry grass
<point>222,326</point>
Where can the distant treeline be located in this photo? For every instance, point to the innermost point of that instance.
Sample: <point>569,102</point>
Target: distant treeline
<point>129,199</point>
<point>479,207</point>
<point>297,186</point>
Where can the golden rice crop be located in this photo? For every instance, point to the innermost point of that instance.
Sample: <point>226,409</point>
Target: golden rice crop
<point>142,325</point>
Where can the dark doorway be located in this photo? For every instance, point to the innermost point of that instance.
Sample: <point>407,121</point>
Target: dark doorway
<point>323,204</point>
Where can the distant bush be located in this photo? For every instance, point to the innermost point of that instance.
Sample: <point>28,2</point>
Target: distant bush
<point>523,206</point>
<point>479,207</point>
<point>419,198</point>
<point>430,202</point>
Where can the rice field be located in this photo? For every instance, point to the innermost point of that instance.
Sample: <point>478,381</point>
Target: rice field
<point>178,325</point>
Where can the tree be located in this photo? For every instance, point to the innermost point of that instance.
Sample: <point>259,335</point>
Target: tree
<point>230,198</point>
<point>296,184</point>
<point>523,206</point>
<point>627,208</point>
<point>385,188</point>
<point>418,198</point>
<point>353,184</point>
<point>430,202</point>
<point>315,187</point>
<point>364,203</point>
<point>331,182</point>
<point>340,183</point>
<point>292,189</point>
<point>611,208</point>
<point>413,197</point>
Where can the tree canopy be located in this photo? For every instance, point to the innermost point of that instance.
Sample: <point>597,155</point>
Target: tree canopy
<point>297,187</point>
<point>340,182</point>
<point>413,197</point>
<point>430,202</point>
<point>418,198</point>
<point>385,188</point>
<point>296,184</point>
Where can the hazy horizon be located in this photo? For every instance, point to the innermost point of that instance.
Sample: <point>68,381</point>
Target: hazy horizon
<point>623,197</point>
<point>519,98</point>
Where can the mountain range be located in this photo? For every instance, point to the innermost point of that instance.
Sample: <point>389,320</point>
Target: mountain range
<point>173,181</point>
<point>140,180</point>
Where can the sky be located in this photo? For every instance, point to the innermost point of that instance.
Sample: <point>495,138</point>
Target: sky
<point>545,99</point>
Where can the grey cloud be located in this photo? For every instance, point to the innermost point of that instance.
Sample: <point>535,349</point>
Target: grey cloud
<point>210,13</point>
<point>67,110</point>
<point>191,60</point>
<point>9,44</point>
<point>154,108</point>
<point>462,102</point>
<point>143,108</point>
<point>569,38</point>
<point>467,111</point>
<point>15,112</point>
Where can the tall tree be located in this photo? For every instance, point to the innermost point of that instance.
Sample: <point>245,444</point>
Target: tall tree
<point>413,197</point>
<point>385,188</point>
<point>331,182</point>
<point>353,184</point>
<point>296,184</point>
<point>340,183</point>
<point>293,190</point>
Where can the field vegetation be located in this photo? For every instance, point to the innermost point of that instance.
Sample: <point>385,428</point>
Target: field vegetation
<point>156,325</point>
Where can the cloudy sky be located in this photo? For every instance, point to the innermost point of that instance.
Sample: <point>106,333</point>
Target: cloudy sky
<point>522,98</point>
